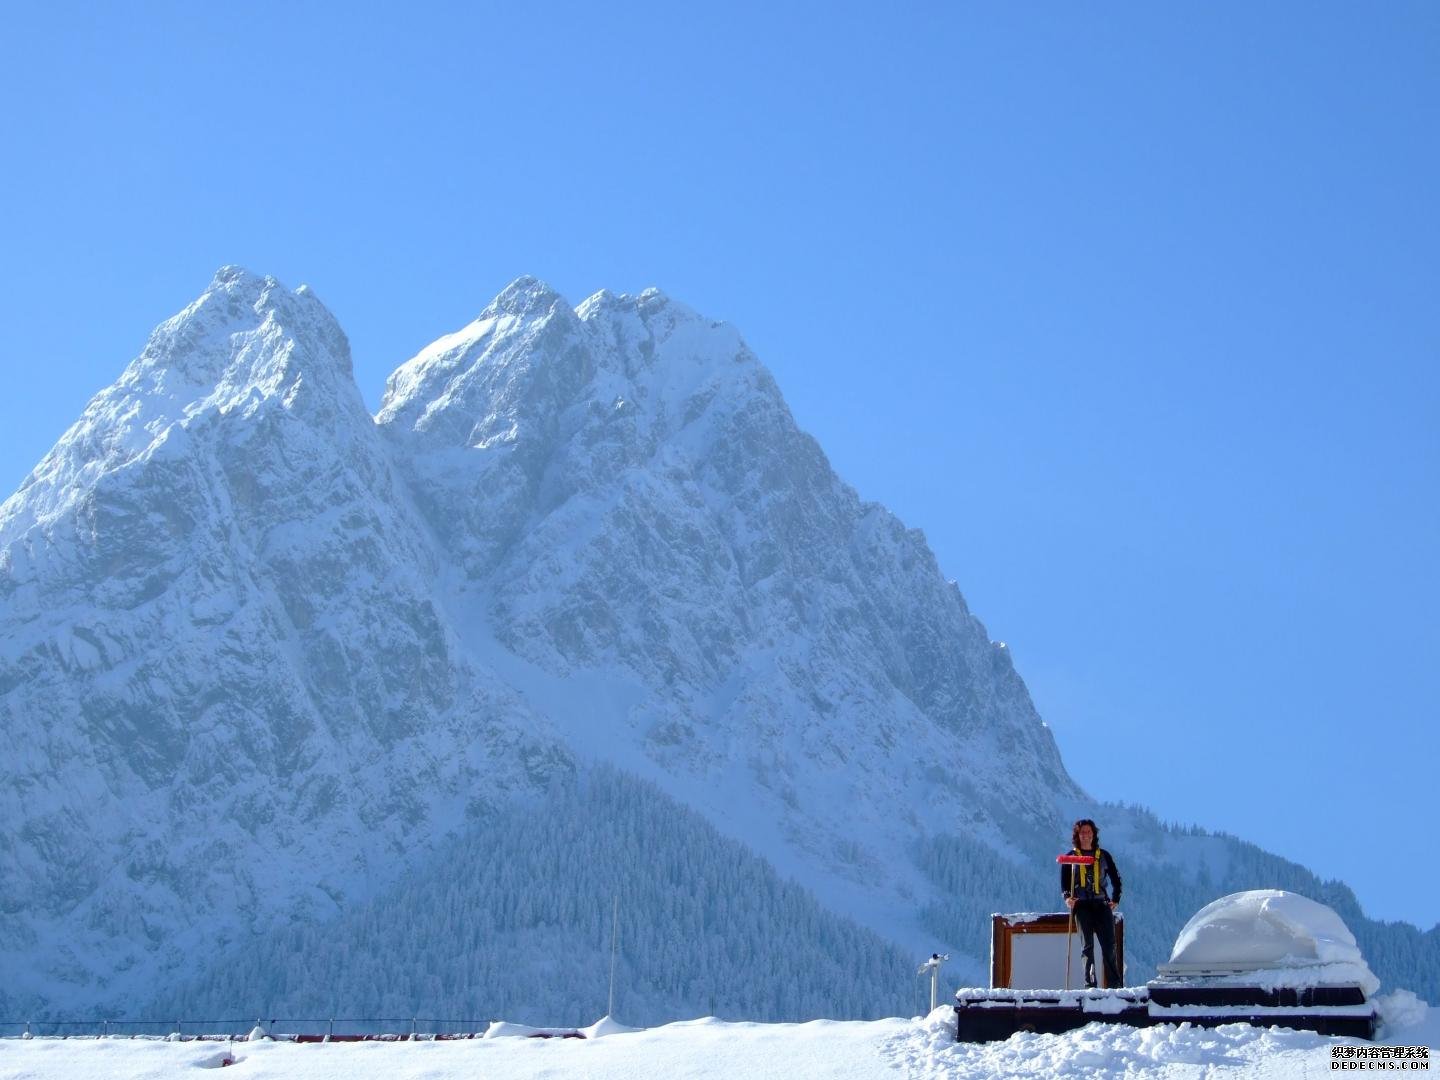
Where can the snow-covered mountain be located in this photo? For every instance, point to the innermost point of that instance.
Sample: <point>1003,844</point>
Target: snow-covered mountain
<point>639,537</point>
<point>263,656</point>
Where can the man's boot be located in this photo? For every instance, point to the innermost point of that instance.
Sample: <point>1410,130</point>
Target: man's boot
<point>1112,973</point>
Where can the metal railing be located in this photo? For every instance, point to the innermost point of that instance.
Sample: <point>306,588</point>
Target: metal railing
<point>337,1029</point>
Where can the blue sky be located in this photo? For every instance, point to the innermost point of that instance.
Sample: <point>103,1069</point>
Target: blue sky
<point>1131,308</point>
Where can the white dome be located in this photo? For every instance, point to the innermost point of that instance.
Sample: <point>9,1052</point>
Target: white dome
<point>1268,929</point>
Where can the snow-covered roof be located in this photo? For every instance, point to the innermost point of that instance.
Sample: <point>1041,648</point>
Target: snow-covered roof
<point>1270,932</point>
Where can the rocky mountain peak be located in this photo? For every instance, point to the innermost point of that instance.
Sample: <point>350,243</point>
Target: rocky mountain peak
<point>526,296</point>
<point>529,361</point>
<point>469,387</point>
<point>199,342</point>
<point>244,342</point>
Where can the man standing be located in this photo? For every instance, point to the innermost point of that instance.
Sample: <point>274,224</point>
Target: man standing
<point>1086,896</point>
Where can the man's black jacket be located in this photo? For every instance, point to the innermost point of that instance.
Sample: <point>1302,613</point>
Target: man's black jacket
<point>1092,892</point>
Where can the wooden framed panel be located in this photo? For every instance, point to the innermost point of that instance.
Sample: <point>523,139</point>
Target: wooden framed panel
<point>1028,951</point>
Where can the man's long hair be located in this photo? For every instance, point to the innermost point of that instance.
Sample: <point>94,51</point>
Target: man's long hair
<point>1075,833</point>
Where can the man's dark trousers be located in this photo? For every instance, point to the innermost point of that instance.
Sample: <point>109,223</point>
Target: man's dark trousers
<point>1096,920</point>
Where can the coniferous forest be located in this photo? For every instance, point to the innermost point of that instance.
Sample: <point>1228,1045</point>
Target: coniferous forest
<point>514,921</point>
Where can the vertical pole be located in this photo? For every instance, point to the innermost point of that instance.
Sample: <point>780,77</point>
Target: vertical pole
<point>933,966</point>
<point>1069,933</point>
<point>330,1029</point>
<point>614,948</point>
<point>1069,926</point>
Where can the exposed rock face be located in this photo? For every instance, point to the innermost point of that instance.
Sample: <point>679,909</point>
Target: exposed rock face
<point>260,647</point>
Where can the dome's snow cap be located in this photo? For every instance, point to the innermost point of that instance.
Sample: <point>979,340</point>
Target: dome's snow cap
<point>1267,929</point>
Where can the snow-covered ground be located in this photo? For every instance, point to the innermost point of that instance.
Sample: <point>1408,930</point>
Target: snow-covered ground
<point>709,1048</point>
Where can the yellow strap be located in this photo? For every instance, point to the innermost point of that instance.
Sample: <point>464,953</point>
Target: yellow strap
<point>1082,868</point>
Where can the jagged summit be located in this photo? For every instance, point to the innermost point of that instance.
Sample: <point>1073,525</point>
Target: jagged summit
<point>526,295</point>
<point>530,359</point>
<point>245,343</point>
<point>239,301</point>
<point>244,334</point>
<point>232,274</point>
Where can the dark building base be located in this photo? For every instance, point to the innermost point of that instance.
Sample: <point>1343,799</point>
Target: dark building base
<point>987,1016</point>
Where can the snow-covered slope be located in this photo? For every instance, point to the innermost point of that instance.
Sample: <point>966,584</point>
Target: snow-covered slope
<point>917,1049</point>
<point>262,654</point>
